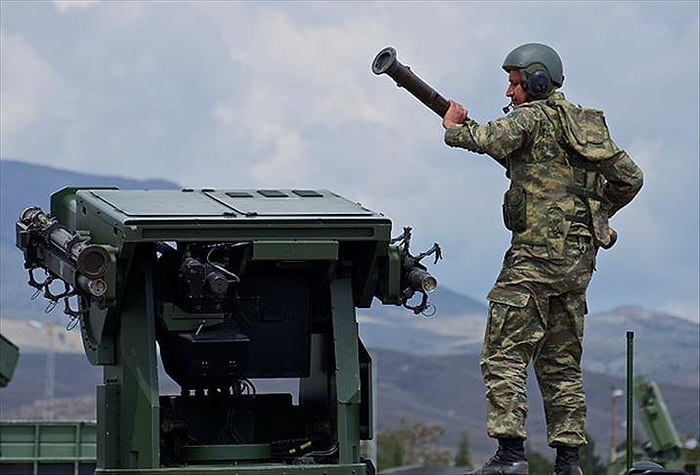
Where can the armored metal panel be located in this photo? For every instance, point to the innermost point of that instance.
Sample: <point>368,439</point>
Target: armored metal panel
<point>118,216</point>
<point>318,203</point>
<point>297,249</point>
<point>165,203</point>
<point>209,453</point>
<point>231,203</point>
<point>261,469</point>
<point>46,441</point>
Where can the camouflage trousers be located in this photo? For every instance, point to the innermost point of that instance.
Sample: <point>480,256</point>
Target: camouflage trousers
<point>536,312</point>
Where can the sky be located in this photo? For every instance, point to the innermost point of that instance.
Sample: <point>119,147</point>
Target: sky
<point>234,94</point>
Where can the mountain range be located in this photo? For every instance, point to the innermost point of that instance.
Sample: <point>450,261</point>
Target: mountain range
<point>426,367</point>
<point>436,390</point>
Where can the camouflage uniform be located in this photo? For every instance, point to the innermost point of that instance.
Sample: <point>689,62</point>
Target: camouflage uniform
<point>567,179</point>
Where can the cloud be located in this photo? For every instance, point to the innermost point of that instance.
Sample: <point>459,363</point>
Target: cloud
<point>65,5</point>
<point>280,94</point>
<point>26,82</point>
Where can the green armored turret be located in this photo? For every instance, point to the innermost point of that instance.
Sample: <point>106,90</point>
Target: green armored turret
<point>226,286</point>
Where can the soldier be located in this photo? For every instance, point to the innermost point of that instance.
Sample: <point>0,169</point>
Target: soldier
<point>567,178</point>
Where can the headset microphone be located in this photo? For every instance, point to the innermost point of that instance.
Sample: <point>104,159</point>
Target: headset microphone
<point>507,108</point>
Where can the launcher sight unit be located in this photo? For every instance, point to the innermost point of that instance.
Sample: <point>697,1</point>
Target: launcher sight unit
<point>231,286</point>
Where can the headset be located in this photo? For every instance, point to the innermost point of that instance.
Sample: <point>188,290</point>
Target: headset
<point>536,81</point>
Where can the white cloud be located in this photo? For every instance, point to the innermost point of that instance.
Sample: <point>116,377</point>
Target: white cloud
<point>65,5</point>
<point>125,13</point>
<point>240,94</point>
<point>26,82</point>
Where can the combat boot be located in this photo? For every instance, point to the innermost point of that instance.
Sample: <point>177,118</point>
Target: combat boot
<point>566,462</point>
<point>508,460</point>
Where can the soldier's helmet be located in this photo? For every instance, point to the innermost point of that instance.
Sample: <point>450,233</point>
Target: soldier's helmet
<point>540,66</point>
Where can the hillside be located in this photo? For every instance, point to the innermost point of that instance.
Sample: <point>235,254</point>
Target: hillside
<point>667,347</point>
<point>23,185</point>
<point>427,368</point>
<point>445,390</point>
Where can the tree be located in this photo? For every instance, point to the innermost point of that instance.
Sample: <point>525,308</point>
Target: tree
<point>390,450</point>
<point>538,464</point>
<point>411,445</point>
<point>463,457</point>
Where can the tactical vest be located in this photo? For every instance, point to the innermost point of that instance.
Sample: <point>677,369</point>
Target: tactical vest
<point>555,189</point>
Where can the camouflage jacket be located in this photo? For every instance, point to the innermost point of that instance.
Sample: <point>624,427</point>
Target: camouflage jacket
<point>567,175</point>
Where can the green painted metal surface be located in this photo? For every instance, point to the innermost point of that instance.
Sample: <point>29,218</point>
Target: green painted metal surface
<point>119,216</point>
<point>321,469</point>
<point>69,447</point>
<point>221,287</point>
<point>241,452</point>
<point>279,250</point>
<point>36,447</point>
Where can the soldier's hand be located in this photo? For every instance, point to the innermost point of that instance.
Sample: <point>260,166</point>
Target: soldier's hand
<point>456,114</point>
<point>613,239</point>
